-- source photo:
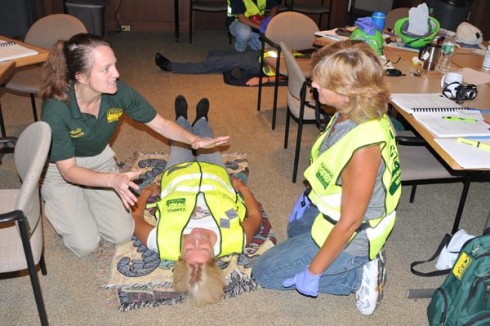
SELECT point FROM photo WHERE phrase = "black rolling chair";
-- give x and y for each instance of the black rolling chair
(205, 6)
(319, 8)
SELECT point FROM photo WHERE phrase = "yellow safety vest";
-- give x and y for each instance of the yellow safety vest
(180, 187)
(326, 168)
(251, 8)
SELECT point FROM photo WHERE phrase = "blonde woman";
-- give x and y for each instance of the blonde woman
(202, 213)
(336, 244)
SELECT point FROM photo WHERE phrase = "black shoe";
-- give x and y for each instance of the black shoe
(202, 109)
(162, 62)
(180, 107)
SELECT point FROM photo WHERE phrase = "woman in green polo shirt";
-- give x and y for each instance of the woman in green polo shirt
(83, 100)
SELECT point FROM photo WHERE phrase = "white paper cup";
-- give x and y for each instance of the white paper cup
(451, 77)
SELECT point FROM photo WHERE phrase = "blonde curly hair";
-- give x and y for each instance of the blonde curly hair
(204, 283)
(352, 68)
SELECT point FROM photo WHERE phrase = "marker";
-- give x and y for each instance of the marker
(474, 143)
(460, 119)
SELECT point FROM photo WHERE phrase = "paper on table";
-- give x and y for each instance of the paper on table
(466, 156)
(331, 34)
(472, 76)
(10, 50)
(441, 127)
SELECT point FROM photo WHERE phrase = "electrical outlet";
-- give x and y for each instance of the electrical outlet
(125, 28)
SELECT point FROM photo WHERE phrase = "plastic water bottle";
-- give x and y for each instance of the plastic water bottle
(446, 54)
(486, 60)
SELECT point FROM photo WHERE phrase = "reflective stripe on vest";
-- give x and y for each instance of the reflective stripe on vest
(326, 168)
(180, 187)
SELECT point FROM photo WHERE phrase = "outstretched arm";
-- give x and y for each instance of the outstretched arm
(173, 131)
(142, 228)
(253, 219)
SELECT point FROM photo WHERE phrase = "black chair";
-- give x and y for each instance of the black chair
(303, 104)
(212, 6)
(296, 30)
(319, 8)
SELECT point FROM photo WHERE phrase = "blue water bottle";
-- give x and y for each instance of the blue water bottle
(379, 20)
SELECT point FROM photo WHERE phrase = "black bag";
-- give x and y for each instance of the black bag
(464, 296)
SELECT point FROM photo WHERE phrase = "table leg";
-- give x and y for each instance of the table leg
(177, 20)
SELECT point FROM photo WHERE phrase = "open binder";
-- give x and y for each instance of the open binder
(441, 116)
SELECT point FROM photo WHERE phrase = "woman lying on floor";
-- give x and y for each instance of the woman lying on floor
(202, 213)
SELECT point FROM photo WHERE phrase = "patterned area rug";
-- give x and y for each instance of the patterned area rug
(115, 262)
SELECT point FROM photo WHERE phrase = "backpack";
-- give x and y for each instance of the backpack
(464, 296)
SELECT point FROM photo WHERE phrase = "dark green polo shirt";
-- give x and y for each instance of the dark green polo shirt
(76, 134)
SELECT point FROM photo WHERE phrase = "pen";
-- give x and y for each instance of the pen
(459, 119)
(474, 143)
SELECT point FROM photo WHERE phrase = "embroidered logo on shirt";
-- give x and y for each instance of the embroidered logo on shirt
(77, 133)
(113, 114)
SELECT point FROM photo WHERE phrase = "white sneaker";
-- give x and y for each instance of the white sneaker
(370, 293)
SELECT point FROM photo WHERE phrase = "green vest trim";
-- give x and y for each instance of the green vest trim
(180, 187)
(326, 169)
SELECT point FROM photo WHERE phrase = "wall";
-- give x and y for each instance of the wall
(158, 15)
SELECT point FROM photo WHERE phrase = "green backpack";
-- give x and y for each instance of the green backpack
(464, 296)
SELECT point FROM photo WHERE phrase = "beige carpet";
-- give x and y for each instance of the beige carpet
(70, 288)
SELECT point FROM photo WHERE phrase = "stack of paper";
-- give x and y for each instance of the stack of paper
(468, 157)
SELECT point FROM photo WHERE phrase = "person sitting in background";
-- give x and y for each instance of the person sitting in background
(248, 17)
(202, 213)
(86, 197)
(336, 245)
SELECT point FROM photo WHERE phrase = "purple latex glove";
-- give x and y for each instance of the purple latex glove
(366, 24)
(305, 282)
(264, 24)
(302, 203)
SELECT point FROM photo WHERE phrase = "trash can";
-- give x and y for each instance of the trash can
(90, 12)
(450, 13)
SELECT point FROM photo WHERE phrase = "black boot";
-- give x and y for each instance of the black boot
(202, 109)
(162, 62)
(180, 107)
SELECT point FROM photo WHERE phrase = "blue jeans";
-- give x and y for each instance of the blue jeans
(292, 256)
(244, 36)
(180, 152)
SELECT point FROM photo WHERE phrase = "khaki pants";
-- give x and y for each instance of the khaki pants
(81, 215)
